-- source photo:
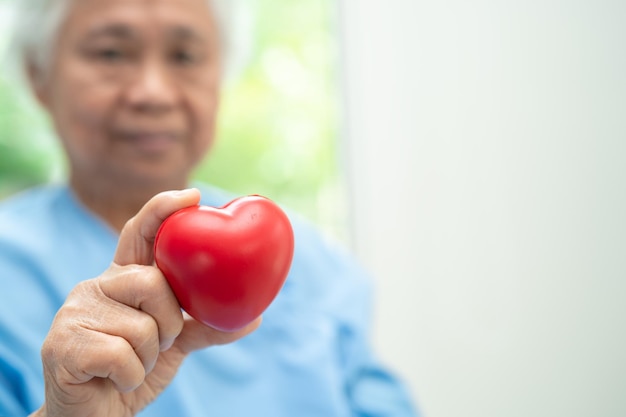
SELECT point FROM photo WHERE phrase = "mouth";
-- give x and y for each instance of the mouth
(149, 142)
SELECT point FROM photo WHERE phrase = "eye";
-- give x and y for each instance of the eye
(110, 55)
(185, 57)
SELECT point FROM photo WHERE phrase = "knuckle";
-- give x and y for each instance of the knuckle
(62, 348)
(147, 279)
(145, 341)
(49, 351)
(145, 328)
(177, 325)
(82, 290)
(144, 338)
(120, 352)
(131, 284)
(144, 279)
(130, 223)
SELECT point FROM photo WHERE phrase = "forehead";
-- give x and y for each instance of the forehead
(140, 16)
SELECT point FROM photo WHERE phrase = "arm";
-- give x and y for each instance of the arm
(373, 390)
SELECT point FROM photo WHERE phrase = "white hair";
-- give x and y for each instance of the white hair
(37, 24)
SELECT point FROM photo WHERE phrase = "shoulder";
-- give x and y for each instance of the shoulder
(26, 230)
(41, 224)
(28, 210)
(46, 247)
(29, 200)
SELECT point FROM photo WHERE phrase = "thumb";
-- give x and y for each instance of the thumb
(136, 241)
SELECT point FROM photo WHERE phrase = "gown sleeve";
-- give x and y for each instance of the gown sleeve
(372, 389)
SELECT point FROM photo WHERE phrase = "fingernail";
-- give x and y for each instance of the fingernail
(166, 345)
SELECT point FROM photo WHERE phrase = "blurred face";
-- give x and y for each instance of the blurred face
(133, 89)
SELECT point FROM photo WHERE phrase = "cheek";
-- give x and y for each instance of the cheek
(204, 110)
(81, 109)
(80, 118)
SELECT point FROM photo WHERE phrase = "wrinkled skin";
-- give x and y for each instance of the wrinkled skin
(133, 92)
(119, 338)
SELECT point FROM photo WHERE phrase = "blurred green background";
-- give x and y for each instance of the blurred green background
(278, 125)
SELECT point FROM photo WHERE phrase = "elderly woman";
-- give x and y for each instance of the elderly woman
(88, 324)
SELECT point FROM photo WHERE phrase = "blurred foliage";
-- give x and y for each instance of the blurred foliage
(277, 127)
(21, 165)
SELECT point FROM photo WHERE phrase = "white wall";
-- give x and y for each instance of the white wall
(486, 153)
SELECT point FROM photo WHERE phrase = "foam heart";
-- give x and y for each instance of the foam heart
(226, 265)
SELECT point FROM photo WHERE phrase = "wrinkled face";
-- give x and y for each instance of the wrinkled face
(133, 88)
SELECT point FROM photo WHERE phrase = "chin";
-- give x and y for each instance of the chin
(154, 179)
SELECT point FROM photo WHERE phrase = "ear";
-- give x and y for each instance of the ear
(37, 80)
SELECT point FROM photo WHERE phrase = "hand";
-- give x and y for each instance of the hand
(120, 338)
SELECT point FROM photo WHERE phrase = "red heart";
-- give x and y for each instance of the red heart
(226, 265)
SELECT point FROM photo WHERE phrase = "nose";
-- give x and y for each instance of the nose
(152, 89)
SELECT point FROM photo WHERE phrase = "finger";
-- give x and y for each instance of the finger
(89, 309)
(123, 367)
(137, 236)
(91, 355)
(196, 335)
(145, 288)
